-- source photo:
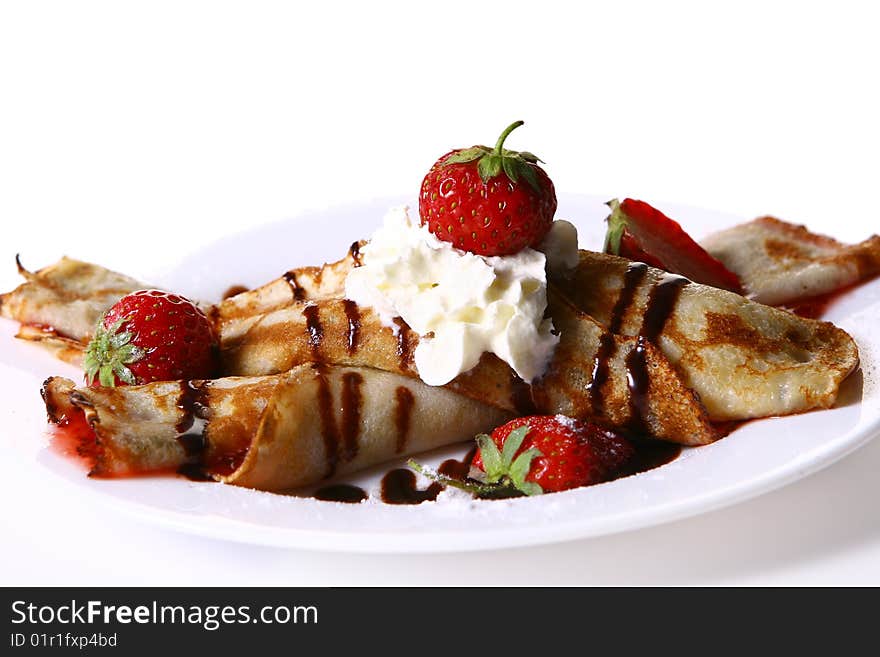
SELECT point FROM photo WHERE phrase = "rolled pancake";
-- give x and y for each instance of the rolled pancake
(743, 359)
(69, 297)
(235, 315)
(274, 432)
(778, 262)
(66, 349)
(339, 331)
(62, 303)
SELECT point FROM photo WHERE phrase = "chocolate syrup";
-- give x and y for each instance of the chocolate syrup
(355, 252)
(192, 403)
(341, 493)
(402, 415)
(455, 469)
(194, 472)
(353, 314)
(193, 443)
(638, 381)
(632, 279)
(649, 454)
(522, 397)
(601, 371)
(399, 487)
(232, 290)
(404, 346)
(329, 430)
(315, 329)
(661, 304)
(352, 401)
(298, 293)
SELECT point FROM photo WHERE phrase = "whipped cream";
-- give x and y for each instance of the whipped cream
(462, 304)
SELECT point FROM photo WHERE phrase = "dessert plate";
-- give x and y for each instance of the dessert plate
(758, 456)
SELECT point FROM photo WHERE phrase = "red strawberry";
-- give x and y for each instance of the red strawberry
(488, 201)
(640, 232)
(150, 335)
(544, 454)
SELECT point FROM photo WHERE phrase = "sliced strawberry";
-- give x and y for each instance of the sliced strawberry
(640, 232)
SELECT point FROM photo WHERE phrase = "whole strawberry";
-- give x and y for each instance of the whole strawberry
(490, 202)
(147, 336)
(544, 454)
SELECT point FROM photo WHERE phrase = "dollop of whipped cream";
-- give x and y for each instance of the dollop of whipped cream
(462, 304)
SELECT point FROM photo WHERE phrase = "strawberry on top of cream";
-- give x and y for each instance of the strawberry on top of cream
(461, 304)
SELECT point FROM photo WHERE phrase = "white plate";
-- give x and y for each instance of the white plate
(756, 458)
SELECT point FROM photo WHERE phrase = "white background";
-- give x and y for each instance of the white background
(130, 133)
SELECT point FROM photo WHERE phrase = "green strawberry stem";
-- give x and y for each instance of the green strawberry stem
(485, 491)
(492, 163)
(498, 144)
(433, 475)
(504, 472)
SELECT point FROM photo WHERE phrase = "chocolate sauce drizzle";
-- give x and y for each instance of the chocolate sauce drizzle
(193, 404)
(194, 472)
(355, 252)
(658, 309)
(353, 313)
(661, 304)
(455, 469)
(403, 415)
(649, 454)
(638, 381)
(329, 430)
(345, 493)
(522, 398)
(315, 329)
(298, 293)
(352, 401)
(399, 487)
(632, 279)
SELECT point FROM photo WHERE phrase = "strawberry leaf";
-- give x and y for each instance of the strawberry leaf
(489, 166)
(616, 225)
(493, 462)
(512, 444)
(466, 155)
(519, 470)
(510, 169)
(531, 177)
(530, 488)
(108, 354)
(491, 163)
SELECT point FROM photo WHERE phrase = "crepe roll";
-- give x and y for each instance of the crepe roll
(67, 297)
(742, 358)
(779, 262)
(273, 432)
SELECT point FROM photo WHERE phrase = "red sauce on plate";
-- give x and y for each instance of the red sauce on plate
(74, 437)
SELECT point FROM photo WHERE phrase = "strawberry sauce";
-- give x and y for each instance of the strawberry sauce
(74, 437)
(815, 307)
